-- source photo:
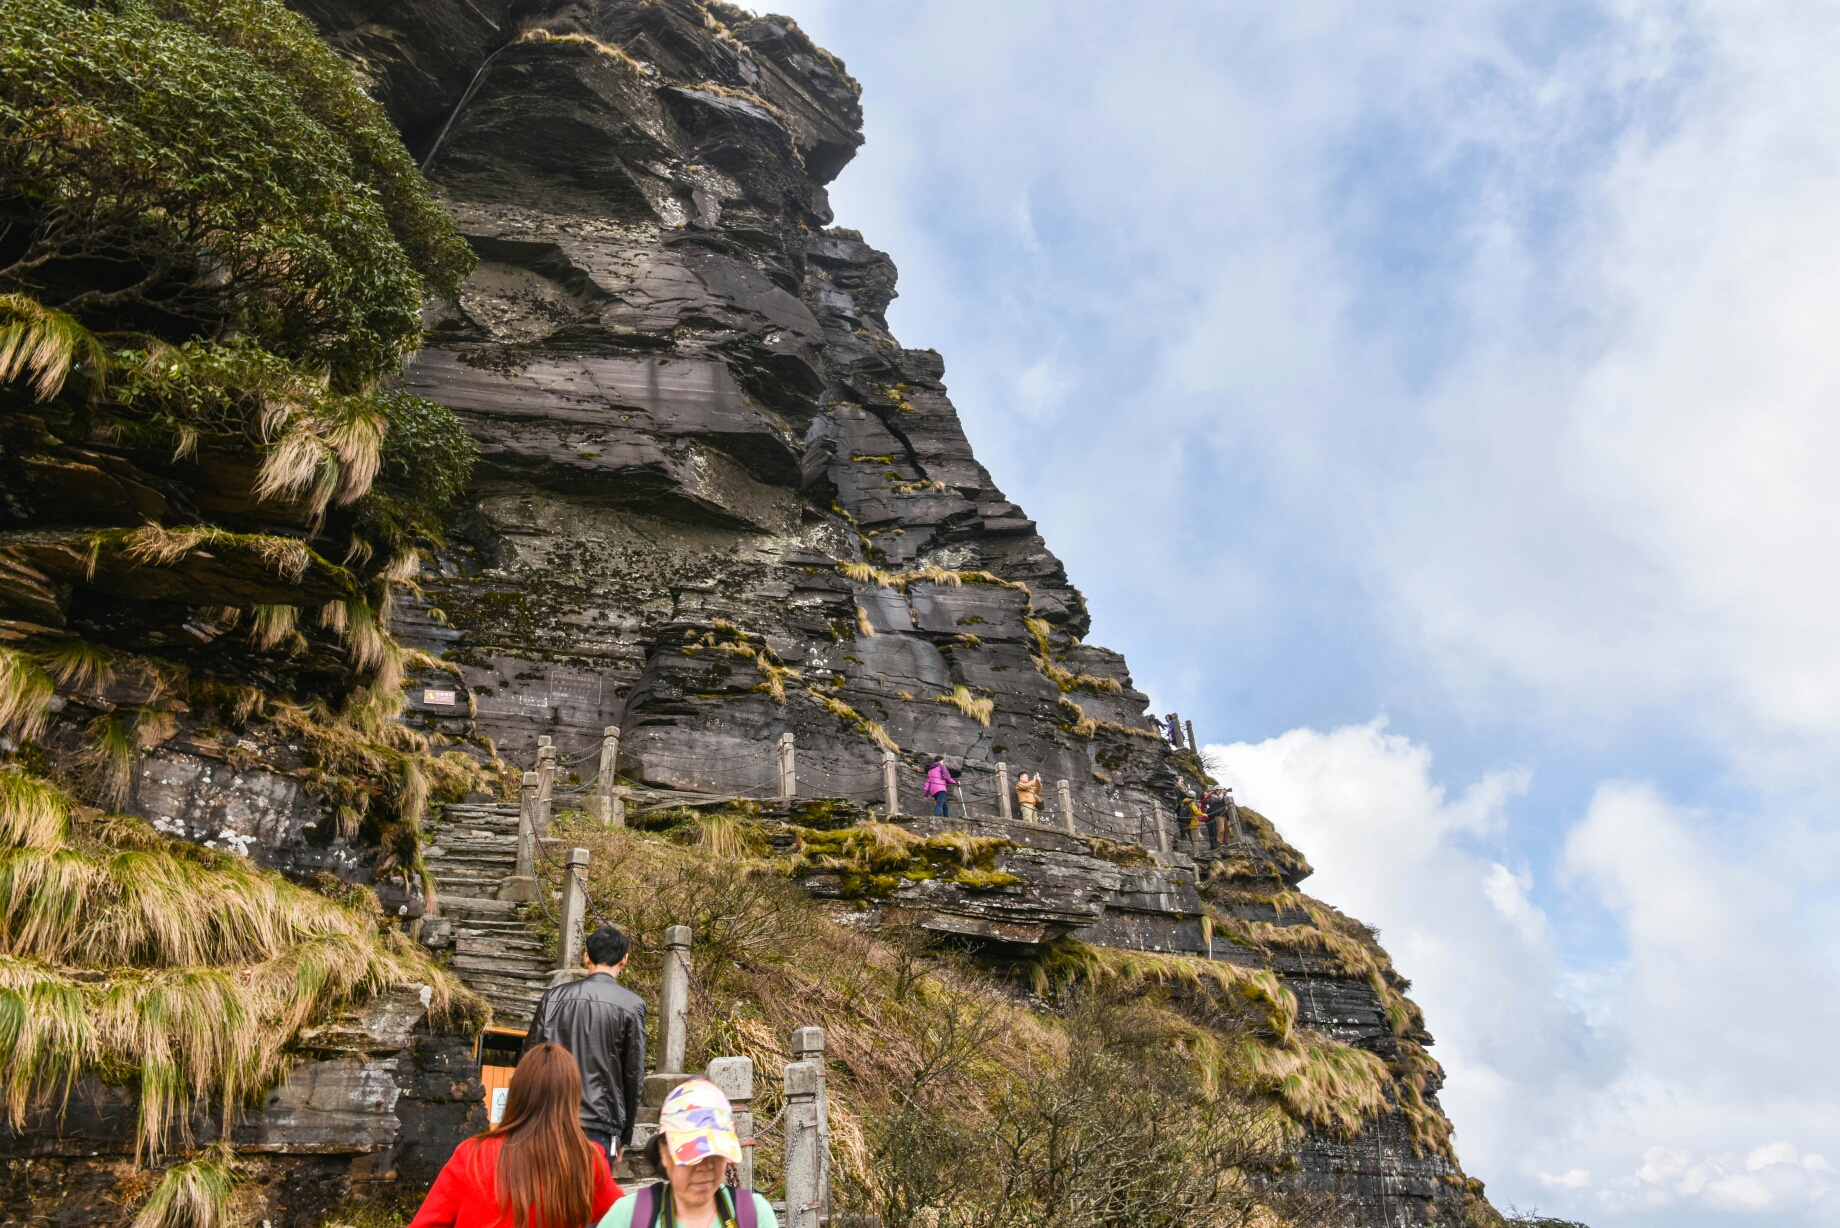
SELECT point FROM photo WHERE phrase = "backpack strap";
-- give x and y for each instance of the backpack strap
(746, 1215)
(646, 1206)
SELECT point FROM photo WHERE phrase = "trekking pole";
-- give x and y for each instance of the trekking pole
(963, 805)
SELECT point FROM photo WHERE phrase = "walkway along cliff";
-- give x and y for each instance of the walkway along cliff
(718, 508)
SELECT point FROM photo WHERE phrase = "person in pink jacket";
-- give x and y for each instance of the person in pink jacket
(938, 780)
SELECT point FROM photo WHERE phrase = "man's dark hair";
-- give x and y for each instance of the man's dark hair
(607, 946)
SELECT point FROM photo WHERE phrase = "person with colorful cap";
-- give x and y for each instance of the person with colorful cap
(693, 1148)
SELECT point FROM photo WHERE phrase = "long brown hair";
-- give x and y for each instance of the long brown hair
(546, 1165)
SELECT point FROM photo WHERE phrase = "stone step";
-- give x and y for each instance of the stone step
(472, 890)
(525, 1004)
(482, 892)
(473, 846)
(520, 967)
(508, 962)
(478, 835)
(483, 907)
(485, 974)
(528, 991)
(465, 861)
(492, 944)
(465, 877)
(523, 995)
(532, 987)
(524, 975)
(450, 860)
(515, 940)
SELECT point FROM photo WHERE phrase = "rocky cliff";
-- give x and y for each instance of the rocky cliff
(718, 502)
(715, 502)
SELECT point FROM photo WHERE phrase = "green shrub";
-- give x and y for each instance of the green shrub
(192, 168)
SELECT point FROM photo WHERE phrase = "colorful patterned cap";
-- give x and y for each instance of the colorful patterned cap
(697, 1124)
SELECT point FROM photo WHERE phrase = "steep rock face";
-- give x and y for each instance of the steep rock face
(692, 414)
(718, 502)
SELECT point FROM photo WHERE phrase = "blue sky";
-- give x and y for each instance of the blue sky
(1436, 402)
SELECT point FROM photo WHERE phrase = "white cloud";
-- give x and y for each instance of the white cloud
(1571, 1179)
(1770, 1180)
(1653, 1065)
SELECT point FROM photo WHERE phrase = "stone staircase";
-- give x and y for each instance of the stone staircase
(497, 949)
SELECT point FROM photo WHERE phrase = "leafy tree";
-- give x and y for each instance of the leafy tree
(209, 169)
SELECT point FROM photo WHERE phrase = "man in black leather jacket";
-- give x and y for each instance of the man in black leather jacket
(601, 1023)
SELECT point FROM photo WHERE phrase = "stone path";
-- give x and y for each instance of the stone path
(497, 949)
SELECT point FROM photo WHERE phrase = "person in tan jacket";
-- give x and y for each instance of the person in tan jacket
(1028, 795)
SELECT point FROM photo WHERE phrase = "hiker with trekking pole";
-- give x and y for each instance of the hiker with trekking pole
(939, 780)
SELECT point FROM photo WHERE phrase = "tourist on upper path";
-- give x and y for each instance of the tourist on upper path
(602, 1023)
(535, 1168)
(1191, 817)
(1028, 795)
(693, 1148)
(938, 779)
(1214, 803)
(1174, 731)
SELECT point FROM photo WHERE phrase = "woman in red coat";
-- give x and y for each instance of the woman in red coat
(534, 1169)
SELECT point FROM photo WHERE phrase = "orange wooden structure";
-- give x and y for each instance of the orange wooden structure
(496, 1051)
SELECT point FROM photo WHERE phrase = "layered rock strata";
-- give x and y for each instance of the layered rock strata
(719, 502)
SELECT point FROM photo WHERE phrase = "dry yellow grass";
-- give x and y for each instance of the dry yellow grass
(871, 729)
(44, 345)
(25, 694)
(197, 969)
(978, 709)
(769, 959)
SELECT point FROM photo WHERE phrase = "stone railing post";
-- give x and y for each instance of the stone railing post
(808, 1046)
(1003, 810)
(574, 910)
(1162, 831)
(788, 769)
(735, 1076)
(1193, 748)
(804, 1155)
(608, 807)
(674, 1000)
(888, 784)
(521, 887)
(1066, 794)
(546, 786)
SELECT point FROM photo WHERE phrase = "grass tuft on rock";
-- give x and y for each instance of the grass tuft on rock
(194, 1194)
(25, 694)
(182, 971)
(873, 860)
(978, 709)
